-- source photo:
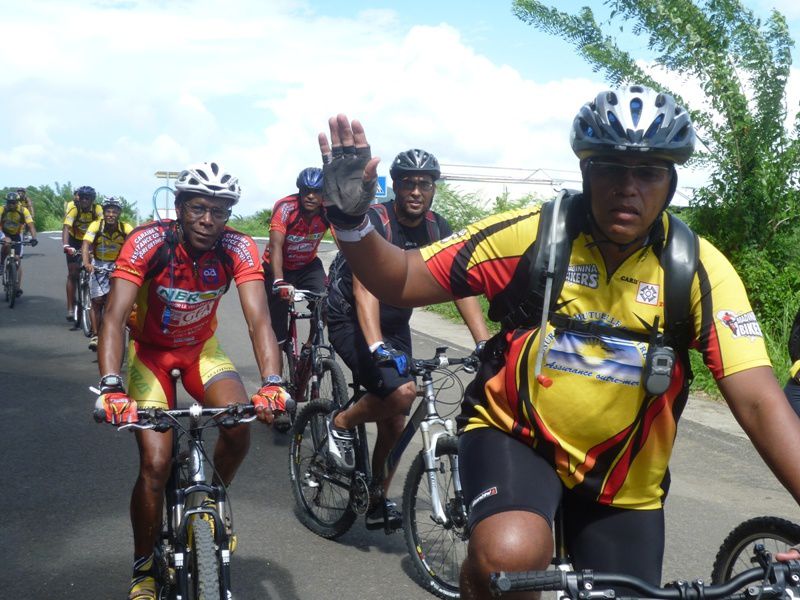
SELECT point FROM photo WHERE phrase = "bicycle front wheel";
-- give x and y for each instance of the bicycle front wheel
(86, 306)
(331, 383)
(11, 289)
(203, 565)
(321, 492)
(736, 552)
(436, 549)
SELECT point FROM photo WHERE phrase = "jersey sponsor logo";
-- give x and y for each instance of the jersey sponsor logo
(238, 245)
(741, 325)
(305, 247)
(584, 275)
(181, 318)
(188, 296)
(492, 491)
(145, 241)
(209, 275)
(648, 293)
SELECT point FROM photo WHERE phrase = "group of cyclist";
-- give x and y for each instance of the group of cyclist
(561, 413)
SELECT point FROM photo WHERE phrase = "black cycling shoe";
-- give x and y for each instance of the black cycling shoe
(384, 515)
(282, 422)
(19, 293)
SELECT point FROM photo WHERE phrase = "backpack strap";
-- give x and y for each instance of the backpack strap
(679, 260)
(383, 213)
(433, 227)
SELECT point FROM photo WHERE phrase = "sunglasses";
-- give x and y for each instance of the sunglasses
(197, 211)
(611, 171)
(410, 184)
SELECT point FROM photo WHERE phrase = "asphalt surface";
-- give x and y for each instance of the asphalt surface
(65, 530)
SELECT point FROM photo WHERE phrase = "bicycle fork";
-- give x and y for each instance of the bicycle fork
(429, 442)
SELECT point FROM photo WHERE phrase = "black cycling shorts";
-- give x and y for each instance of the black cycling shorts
(792, 391)
(499, 473)
(350, 345)
(77, 257)
(311, 277)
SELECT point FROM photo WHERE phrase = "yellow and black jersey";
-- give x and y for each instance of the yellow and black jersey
(105, 245)
(78, 220)
(12, 221)
(605, 436)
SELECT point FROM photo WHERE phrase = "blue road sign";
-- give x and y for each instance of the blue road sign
(381, 191)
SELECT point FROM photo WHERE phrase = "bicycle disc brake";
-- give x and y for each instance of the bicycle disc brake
(359, 494)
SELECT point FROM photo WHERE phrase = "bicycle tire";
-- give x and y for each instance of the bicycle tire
(331, 385)
(86, 306)
(11, 293)
(203, 563)
(736, 551)
(5, 278)
(436, 550)
(321, 492)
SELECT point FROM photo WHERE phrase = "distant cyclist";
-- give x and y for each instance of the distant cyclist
(176, 272)
(13, 219)
(101, 245)
(26, 201)
(290, 259)
(76, 222)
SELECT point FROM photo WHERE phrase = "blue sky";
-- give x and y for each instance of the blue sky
(107, 92)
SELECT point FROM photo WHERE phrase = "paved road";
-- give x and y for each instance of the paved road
(65, 531)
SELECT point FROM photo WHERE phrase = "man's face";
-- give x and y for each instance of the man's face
(628, 193)
(414, 195)
(12, 204)
(310, 200)
(111, 215)
(84, 202)
(203, 220)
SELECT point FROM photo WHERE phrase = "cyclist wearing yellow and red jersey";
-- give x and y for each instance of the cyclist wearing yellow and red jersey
(76, 221)
(13, 218)
(102, 243)
(176, 272)
(290, 258)
(596, 441)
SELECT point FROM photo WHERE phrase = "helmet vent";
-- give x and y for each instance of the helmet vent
(654, 126)
(615, 124)
(636, 110)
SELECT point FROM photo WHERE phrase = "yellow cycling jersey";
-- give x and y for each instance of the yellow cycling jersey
(78, 221)
(604, 435)
(14, 220)
(105, 245)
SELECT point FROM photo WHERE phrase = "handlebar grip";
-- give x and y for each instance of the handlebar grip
(528, 580)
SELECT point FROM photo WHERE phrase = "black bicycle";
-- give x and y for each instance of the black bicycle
(434, 513)
(193, 552)
(310, 369)
(769, 580)
(11, 272)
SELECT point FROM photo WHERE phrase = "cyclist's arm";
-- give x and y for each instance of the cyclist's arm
(256, 313)
(471, 313)
(368, 310)
(758, 403)
(276, 239)
(112, 331)
(86, 253)
(65, 235)
(32, 229)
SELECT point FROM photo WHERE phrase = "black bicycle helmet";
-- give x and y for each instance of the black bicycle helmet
(112, 202)
(310, 179)
(633, 120)
(86, 191)
(415, 162)
(12, 197)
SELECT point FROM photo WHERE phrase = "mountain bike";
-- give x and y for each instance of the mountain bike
(83, 303)
(11, 272)
(193, 552)
(310, 370)
(736, 554)
(769, 580)
(434, 513)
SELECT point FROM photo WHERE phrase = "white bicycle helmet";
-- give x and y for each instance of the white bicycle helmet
(633, 120)
(209, 179)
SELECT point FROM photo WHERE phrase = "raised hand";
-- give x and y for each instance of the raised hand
(351, 174)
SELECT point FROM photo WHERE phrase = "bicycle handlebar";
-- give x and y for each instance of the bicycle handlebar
(420, 366)
(777, 579)
(307, 295)
(162, 420)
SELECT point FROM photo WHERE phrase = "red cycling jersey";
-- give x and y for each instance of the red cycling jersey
(302, 236)
(177, 304)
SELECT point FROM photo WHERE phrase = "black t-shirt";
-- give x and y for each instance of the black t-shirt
(392, 317)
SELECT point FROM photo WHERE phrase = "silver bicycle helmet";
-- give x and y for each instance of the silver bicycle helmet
(112, 202)
(209, 179)
(633, 120)
(415, 162)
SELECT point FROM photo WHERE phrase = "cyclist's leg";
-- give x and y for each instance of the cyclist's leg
(615, 540)
(278, 309)
(99, 287)
(513, 494)
(19, 249)
(73, 268)
(212, 379)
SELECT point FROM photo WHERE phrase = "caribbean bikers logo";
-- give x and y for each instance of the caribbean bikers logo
(648, 293)
(585, 275)
(741, 325)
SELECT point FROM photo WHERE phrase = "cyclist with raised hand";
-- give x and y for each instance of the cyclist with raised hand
(589, 432)
(176, 272)
(290, 259)
(76, 221)
(102, 243)
(14, 217)
(374, 338)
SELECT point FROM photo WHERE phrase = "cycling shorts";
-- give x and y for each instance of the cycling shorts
(499, 474)
(100, 281)
(77, 257)
(149, 371)
(15, 238)
(349, 343)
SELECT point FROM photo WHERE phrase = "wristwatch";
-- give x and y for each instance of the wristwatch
(272, 380)
(112, 381)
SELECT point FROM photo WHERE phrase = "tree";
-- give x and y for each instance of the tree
(751, 204)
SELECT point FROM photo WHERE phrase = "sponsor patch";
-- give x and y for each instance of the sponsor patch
(585, 275)
(647, 293)
(209, 275)
(741, 325)
(180, 296)
(492, 491)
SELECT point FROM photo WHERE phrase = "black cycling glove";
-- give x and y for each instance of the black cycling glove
(386, 356)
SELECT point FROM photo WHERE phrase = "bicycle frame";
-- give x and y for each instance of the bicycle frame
(315, 342)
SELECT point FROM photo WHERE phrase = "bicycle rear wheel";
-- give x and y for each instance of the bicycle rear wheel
(86, 305)
(436, 549)
(321, 492)
(331, 383)
(11, 289)
(736, 552)
(203, 565)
